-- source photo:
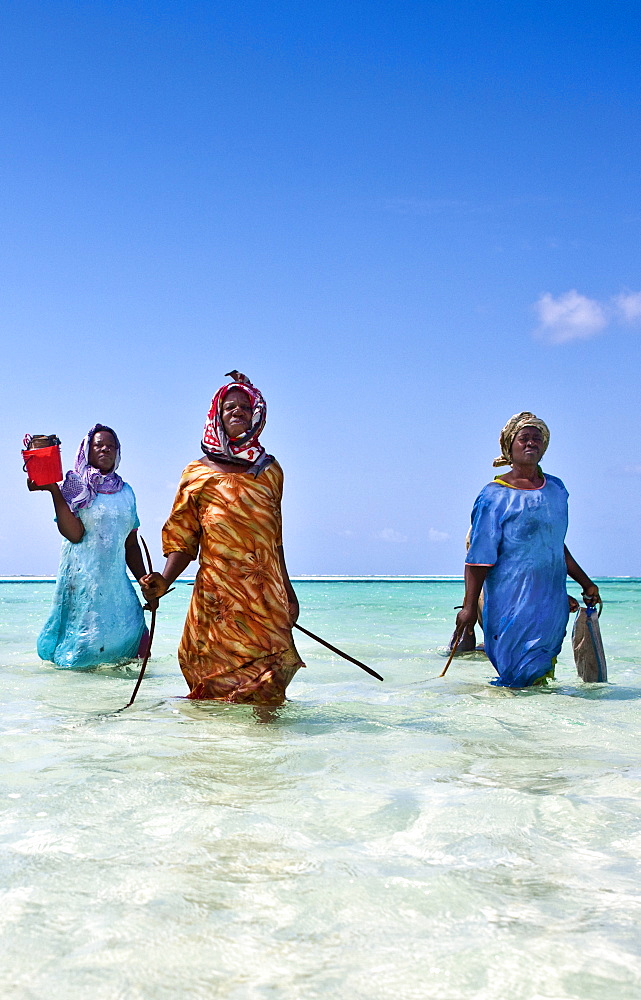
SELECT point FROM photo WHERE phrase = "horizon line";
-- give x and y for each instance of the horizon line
(327, 578)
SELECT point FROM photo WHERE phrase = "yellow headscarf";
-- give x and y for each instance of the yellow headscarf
(512, 428)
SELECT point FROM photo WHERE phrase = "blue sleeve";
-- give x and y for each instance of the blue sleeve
(558, 482)
(486, 530)
(134, 511)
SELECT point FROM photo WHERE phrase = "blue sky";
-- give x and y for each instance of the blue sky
(404, 222)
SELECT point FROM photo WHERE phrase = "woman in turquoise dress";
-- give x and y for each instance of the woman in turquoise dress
(96, 616)
(518, 556)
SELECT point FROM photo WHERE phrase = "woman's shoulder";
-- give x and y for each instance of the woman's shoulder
(555, 482)
(271, 479)
(493, 492)
(275, 470)
(494, 499)
(128, 490)
(195, 472)
(193, 478)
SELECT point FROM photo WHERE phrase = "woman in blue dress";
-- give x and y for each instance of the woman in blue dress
(518, 556)
(96, 616)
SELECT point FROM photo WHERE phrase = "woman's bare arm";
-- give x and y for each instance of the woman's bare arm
(133, 558)
(590, 589)
(133, 555)
(155, 585)
(474, 580)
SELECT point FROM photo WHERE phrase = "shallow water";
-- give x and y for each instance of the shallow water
(414, 839)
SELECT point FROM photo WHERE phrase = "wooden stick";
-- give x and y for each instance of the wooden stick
(152, 629)
(454, 648)
(340, 652)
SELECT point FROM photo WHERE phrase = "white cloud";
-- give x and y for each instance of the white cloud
(437, 536)
(390, 535)
(628, 305)
(571, 316)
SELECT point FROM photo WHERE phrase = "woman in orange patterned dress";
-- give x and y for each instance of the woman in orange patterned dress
(237, 644)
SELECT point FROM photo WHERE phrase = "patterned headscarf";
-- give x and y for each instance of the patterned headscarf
(217, 444)
(81, 486)
(512, 428)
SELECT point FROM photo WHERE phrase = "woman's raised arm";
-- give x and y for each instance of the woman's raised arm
(69, 526)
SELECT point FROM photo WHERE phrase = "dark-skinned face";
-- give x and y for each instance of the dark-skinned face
(236, 413)
(528, 447)
(102, 451)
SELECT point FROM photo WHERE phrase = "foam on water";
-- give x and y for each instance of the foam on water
(420, 838)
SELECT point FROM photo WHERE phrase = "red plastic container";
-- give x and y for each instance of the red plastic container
(43, 465)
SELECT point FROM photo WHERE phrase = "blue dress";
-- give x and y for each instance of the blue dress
(519, 534)
(96, 616)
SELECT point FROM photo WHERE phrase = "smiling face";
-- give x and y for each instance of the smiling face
(236, 413)
(528, 446)
(102, 451)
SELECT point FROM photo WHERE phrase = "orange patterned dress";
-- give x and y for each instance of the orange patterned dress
(237, 643)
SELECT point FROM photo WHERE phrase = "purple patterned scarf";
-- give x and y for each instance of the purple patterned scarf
(81, 486)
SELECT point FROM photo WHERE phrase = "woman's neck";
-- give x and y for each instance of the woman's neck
(528, 476)
(227, 465)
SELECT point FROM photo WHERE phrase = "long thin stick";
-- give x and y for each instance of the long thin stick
(454, 648)
(152, 629)
(340, 652)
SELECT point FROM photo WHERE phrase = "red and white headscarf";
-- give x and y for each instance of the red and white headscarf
(216, 442)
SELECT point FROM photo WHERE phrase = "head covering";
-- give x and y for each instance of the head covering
(512, 428)
(217, 444)
(81, 486)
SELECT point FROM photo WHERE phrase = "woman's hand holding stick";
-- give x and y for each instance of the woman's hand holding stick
(152, 606)
(459, 636)
(156, 585)
(152, 628)
(468, 615)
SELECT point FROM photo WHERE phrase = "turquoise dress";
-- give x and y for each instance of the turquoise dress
(96, 616)
(520, 536)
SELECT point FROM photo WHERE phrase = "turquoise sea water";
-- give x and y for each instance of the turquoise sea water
(421, 838)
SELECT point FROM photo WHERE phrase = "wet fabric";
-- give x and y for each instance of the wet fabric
(587, 645)
(519, 535)
(512, 428)
(237, 642)
(216, 442)
(82, 485)
(96, 616)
